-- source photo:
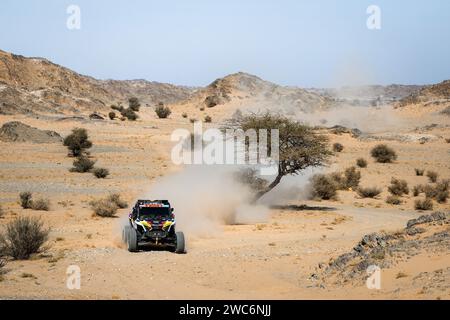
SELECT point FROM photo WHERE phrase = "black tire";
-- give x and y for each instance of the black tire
(132, 240)
(180, 245)
(125, 232)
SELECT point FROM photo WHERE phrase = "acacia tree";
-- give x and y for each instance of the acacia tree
(300, 146)
(77, 142)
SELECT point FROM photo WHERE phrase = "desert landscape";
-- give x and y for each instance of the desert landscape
(303, 240)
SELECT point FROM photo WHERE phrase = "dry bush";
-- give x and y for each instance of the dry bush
(23, 237)
(419, 172)
(115, 198)
(432, 176)
(383, 154)
(202, 109)
(162, 111)
(249, 177)
(394, 200)
(323, 187)
(361, 162)
(418, 190)
(208, 119)
(425, 204)
(100, 173)
(77, 142)
(368, 192)
(104, 208)
(25, 199)
(192, 120)
(349, 179)
(41, 204)
(338, 147)
(129, 114)
(119, 107)
(82, 164)
(184, 115)
(112, 115)
(398, 187)
(133, 104)
(447, 140)
(2, 212)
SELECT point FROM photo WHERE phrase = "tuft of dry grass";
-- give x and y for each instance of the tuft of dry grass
(432, 176)
(368, 192)
(423, 205)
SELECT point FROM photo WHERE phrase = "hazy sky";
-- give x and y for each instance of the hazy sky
(304, 43)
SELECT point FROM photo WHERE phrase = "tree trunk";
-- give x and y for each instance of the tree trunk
(269, 187)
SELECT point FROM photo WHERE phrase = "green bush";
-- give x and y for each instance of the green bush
(432, 176)
(337, 147)
(323, 187)
(162, 112)
(77, 142)
(361, 162)
(100, 172)
(398, 187)
(25, 200)
(82, 164)
(425, 204)
(24, 236)
(370, 192)
(383, 154)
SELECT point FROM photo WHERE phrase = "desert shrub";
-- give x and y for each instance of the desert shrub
(425, 204)
(442, 190)
(361, 162)
(419, 172)
(430, 191)
(383, 154)
(77, 142)
(82, 164)
(119, 108)
(133, 104)
(351, 177)
(369, 192)
(112, 115)
(100, 172)
(25, 199)
(208, 119)
(129, 114)
(2, 213)
(394, 200)
(202, 108)
(192, 120)
(115, 198)
(398, 187)
(104, 208)
(40, 204)
(417, 190)
(323, 187)
(162, 111)
(432, 176)
(249, 177)
(446, 111)
(447, 140)
(23, 237)
(184, 115)
(337, 147)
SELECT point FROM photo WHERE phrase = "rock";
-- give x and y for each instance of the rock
(96, 116)
(16, 131)
(436, 216)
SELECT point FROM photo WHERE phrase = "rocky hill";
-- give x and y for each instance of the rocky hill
(255, 94)
(433, 94)
(36, 85)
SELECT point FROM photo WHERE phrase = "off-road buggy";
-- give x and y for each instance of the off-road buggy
(152, 223)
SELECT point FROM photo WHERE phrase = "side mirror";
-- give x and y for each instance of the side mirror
(171, 209)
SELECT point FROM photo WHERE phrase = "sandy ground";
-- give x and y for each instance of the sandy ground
(273, 259)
